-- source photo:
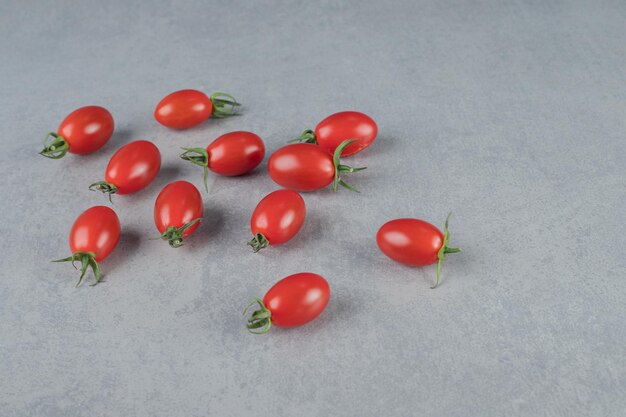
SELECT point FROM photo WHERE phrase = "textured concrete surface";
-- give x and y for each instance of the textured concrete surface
(510, 114)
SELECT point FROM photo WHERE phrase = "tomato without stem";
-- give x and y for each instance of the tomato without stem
(415, 242)
(308, 167)
(177, 211)
(276, 219)
(232, 154)
(130, 169)
(292, 301)
(187, 108)
(342, 126)
(83, 131)
(93, 237)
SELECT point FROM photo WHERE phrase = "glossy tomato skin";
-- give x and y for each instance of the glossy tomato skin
(278, 216)
(87, 129)
(183, 109)
(235, 153)
(297, 299)
(96, 230)
(346, 125)
(133, 166)
(410, 241)
(176, 205)
(302, 167)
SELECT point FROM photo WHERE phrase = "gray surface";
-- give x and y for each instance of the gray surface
(511, 115)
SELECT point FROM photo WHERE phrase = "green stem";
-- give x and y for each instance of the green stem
(200, 157)
(339, 168)
(258, 242)
(54, 146)
(105, 187)
(223, 105)
(308, 136)
(261, 320)
(87, 259)
(174, 235)
(444, 250)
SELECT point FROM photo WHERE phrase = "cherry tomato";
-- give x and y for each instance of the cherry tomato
(177, 211)
(93, 237)
(292, 301)
(338, 127)
(276, 219)
(83, 131)
(415, 242)
(187, 108)
(130, 169)
(308, 167)
(232, 154)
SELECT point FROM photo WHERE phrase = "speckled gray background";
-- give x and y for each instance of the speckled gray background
(510, 114)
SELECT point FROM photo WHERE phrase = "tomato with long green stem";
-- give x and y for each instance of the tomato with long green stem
(338, 127)
(187, 108)
(415, 242)
(308, 167)
(276, 219)
(232, 154)
(177, 212)
(83, 131)
(130, 169)
(94, 235)
(291, 302)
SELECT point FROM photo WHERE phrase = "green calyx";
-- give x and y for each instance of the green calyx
(200, 157)
(261, 320)
(308, 136)
(105, 187)
(339, 168)
(54, 146)
(174, 235)
(224, 105)
(444, 250)
(258, 242)
(87, 259)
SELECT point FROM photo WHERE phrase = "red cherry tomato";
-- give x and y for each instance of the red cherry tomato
(232, 154)
(93, 237)
(187, 108)
(130, 169)
(276, 219)
(177, 211)
(415, 242)
(308, 167)
(292, 301)
(338, 127)
(83, 131)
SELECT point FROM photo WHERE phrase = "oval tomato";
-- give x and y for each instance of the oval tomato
(130, 169)
(276, 219)
(177, 211)
(342, 126)
(415, 242)
(232, 154)
(308, 167)
(187, 108)
(83, 131)
(93, 237)
(292, 301)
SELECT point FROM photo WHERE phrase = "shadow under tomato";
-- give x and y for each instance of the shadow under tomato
(210, 227)
(130, 241)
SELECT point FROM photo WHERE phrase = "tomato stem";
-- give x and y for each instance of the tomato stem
(174, 235)
(258, 242)
(308, 136)
(54, 146)
(339, 168)
(200, 157)
(87, 259)
(105, 187)
(261, 319)
(223, 105)
(444, 250)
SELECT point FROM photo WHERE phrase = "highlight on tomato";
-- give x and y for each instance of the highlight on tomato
(338, 127)
(276, 219)
(132, 168)
(308, 167)
(187, 108)
(94, 235)
(232, 154)
(415, 242)
(291, 302)
(177, 212)
(83, 131)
